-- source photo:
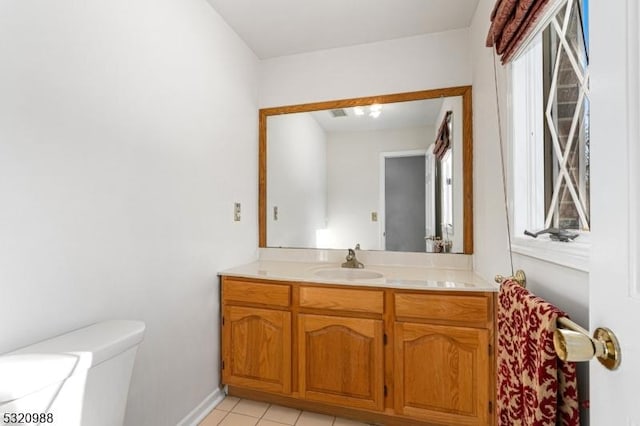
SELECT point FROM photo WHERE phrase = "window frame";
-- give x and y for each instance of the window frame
(528, 178)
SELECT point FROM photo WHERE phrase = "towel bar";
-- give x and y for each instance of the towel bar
(572, 343)
(519, 277)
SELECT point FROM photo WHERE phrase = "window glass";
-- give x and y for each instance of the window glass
(551, 147)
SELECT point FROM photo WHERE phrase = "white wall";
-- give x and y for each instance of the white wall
(490, 227)
(353, 176)
(402, 65)
(127, 131)
(565, 287)
(296, 180)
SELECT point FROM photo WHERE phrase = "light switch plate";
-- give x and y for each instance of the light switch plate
(236, 212)
(374, 216)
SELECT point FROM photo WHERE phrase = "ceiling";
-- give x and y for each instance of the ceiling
(274, 28)
(399, 115)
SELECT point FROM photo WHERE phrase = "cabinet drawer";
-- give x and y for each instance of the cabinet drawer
(470, 309)
(250, 292)
(338, 299)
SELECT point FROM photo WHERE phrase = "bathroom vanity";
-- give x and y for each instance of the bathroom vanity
(400, 345)
(393, 345)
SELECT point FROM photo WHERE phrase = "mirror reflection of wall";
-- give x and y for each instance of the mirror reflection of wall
(297, 181)
(355, 188)
(327, 186)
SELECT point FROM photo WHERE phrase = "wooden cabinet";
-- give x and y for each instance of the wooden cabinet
(469, 310)
(382, 355)
(256, 341)
(442, 363)
(242, 292)
(341, 360)
(257, 349)
(354, 301)
(442, 373)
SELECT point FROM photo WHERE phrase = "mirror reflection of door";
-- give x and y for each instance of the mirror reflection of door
(445, 182)
(405, 203)
(430, 198)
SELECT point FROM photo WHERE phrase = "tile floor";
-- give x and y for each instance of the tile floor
(234, 411)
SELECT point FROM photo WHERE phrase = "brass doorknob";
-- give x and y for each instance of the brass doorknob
(574, 344)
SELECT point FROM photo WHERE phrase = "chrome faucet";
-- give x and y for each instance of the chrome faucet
(352, 261)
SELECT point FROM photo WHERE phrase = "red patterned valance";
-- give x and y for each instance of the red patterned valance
(443, 142)
(511, 22)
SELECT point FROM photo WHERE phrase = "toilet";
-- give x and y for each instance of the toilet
(77, 379)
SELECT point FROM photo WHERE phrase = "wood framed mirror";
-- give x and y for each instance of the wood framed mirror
(299, 180)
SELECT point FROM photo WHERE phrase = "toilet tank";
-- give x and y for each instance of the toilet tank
(77, 379)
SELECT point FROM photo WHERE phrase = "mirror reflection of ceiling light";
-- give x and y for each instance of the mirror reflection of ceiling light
(375, 110)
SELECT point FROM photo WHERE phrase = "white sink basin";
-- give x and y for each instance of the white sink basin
(347, 274)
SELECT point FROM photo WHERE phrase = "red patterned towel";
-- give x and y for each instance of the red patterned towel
(534, 386)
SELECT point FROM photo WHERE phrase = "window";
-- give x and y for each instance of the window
(566, 85)
(550, 121)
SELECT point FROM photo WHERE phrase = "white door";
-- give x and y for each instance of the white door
(615, 184)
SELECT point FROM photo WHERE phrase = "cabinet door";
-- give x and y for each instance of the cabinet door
(257, 348)
(341, 360)
(442, 373)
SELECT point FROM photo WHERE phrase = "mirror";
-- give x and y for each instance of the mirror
(369, 171)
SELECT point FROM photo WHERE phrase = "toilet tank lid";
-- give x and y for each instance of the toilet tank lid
(93, 344)
(51, 361)
(36, 366)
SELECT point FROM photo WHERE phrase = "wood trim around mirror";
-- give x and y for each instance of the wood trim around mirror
(467, 142)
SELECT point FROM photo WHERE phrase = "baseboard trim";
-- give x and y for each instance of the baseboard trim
(200, 412)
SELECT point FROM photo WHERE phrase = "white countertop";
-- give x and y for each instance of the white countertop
(393, 276)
